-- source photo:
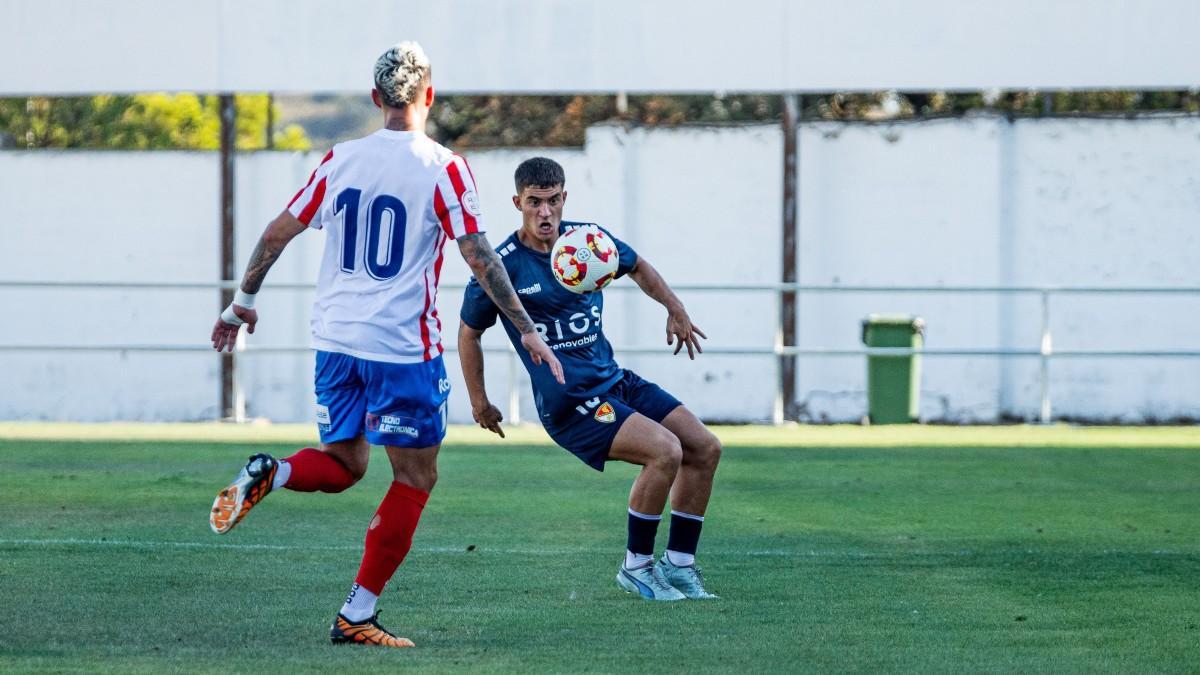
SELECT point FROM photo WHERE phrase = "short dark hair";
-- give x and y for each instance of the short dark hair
(541, 172)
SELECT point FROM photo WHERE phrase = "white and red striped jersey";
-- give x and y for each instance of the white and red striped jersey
(387, 203)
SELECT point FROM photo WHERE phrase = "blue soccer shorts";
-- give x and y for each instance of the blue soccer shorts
(398, 404)
(588, 430)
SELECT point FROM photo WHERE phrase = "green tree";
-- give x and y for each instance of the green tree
(140, 122)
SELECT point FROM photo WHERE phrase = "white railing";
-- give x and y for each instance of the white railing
(1044, 352)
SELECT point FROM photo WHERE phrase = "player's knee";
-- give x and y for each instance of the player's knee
(670, 452)
(420, 477)
(430, 479)
(704, 454)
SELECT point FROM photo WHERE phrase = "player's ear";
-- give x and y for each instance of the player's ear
(375, 98)
(429, 95)
(517, 201)
(564, 197)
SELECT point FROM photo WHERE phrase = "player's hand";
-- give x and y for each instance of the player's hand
(488, 416)
(541, 353)
(682, 332)
(224, 335)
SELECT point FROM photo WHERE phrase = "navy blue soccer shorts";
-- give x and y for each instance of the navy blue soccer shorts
(588, 430)
(398, 404)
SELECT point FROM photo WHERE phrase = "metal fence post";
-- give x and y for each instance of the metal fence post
(786, 394)
(228, 115)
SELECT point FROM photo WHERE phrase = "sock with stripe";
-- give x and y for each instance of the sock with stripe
(389, 536)
(684, 538)
(643, 528)
(311, 470)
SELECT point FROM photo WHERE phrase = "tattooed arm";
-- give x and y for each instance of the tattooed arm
(489, 271)
(279, 233)
(270, 245)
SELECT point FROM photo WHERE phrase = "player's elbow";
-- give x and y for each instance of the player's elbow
(275, 239)
(281, 231)
(479, 257)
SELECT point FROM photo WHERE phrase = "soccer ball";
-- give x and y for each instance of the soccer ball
(584, 259)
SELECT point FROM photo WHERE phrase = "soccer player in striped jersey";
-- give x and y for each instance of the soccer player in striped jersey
(604, 412)
(387, 202)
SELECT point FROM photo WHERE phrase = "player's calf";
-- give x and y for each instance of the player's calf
(312, 470)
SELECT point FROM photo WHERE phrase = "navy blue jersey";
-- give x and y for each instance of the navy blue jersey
(569, 323)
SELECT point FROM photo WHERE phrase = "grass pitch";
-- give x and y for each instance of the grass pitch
(834, 549)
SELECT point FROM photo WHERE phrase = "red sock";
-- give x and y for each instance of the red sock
(389, 536)
(315, 471)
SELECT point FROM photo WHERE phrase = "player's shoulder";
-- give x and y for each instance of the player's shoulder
(353, 145)
(438, 154)
(507, 247)
(345, 152)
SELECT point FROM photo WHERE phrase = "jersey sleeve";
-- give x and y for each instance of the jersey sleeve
(455, 201)
(478, 310)
(307, 202)
(626, 256)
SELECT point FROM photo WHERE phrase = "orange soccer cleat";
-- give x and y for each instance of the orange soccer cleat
(252, 483)
(369, 632)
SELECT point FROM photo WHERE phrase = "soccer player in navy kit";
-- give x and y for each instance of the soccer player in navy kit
(603, 412)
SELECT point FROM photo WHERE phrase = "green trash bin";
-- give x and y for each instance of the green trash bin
(893, 382)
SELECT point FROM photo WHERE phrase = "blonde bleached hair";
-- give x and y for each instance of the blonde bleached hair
(400, 72)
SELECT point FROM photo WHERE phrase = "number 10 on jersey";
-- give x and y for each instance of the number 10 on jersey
(380, 267)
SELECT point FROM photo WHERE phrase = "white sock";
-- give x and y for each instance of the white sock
(360, 604)
(681, 559)
(633, 560)
(282, 474)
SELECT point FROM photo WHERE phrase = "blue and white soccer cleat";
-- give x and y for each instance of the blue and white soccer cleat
(687, 580)
(647, 581)
(252, 483)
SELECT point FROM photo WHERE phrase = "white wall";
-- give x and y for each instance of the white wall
(978, 202)
(985, 202)
(84, 46)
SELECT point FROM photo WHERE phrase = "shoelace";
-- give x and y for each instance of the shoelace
(660, 581)
(698, 573)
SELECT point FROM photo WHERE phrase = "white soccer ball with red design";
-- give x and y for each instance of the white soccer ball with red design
(584, 259)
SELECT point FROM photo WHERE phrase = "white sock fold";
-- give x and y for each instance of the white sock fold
(681, 559)
(282, 474)
(633, 560)
(360, 604)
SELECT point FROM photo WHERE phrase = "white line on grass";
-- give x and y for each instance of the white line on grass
(126, 543)
(770, 553)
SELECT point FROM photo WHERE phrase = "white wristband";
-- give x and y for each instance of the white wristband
(230, 318)
(243, 299)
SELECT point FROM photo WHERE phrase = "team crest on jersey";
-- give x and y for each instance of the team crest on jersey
(470, 202)
(605, 413)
